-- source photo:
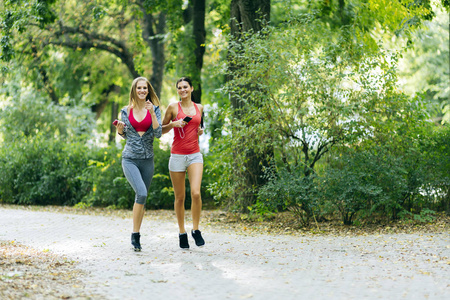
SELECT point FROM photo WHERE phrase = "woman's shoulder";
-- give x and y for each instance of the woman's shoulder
(200, 107)
(172, 106)
(126, 110)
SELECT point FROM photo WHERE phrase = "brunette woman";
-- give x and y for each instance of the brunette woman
(184, 117)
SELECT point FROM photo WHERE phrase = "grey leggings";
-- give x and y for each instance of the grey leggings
(139, 173)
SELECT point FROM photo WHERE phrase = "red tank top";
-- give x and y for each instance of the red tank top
(144, 125)
(185, 140)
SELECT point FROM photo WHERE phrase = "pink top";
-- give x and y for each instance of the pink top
(144, 125)
(185, 140)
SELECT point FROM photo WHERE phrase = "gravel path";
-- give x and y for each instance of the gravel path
(233, 265)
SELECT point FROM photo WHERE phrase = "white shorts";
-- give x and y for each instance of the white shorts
(180, 163)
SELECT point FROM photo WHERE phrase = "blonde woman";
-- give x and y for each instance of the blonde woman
(140, 124)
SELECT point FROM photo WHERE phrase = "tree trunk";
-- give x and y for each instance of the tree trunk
(199, 33)
(195, 13)
(45, 80)
(99, 107)
(245, 16)
(343, 15)
(153, 33)
(114, 113)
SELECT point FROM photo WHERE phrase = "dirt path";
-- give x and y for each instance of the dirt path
(233, 265)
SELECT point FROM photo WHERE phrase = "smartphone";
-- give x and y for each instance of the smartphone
(187, 119)
(147, 98)
(117, 122)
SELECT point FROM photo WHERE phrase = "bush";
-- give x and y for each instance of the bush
(43, 149)
(42, 172)
(363, 181)
(104, 180)
(289, 189)
(437, 154)
(384, 180)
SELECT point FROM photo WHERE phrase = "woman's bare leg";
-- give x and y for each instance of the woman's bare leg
(138, 215)
(195, 173)
(178, 182)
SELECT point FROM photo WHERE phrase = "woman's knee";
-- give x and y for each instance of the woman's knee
(179, 200)
(195, 195)
(141, 198)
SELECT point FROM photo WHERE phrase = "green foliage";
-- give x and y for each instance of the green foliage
(161, 192)
(425, 66)
(15, 17)
(43, 148)
(425, 216)
(368, 180)
(289, 189)
(26, 113)
(402, 177)
(311, 86)
(80, 58)
(308, 93)
(436, 150)
(301, 95)
(219, 168)
(181, 45)
(40, 171)
(104, 181)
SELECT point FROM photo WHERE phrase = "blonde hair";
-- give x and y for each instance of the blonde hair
(153, 98)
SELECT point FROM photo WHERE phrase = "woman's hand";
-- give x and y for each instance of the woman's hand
(200, 131)
(179, 123)
(120, 126)
(149, 107)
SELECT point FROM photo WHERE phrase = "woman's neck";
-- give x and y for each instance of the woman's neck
(186, 101)
(138, 105)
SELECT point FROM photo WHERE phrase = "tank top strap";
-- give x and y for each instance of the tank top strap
(197, 111)
(180, 111)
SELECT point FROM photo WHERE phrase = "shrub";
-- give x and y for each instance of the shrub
(437, 155)
(362, 180)
(379, 179)
(289, 189)
(104, 181)
(42, 172)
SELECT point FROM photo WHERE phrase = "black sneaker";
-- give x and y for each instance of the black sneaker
(184, 240)
(136, 241)
(197, 235)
